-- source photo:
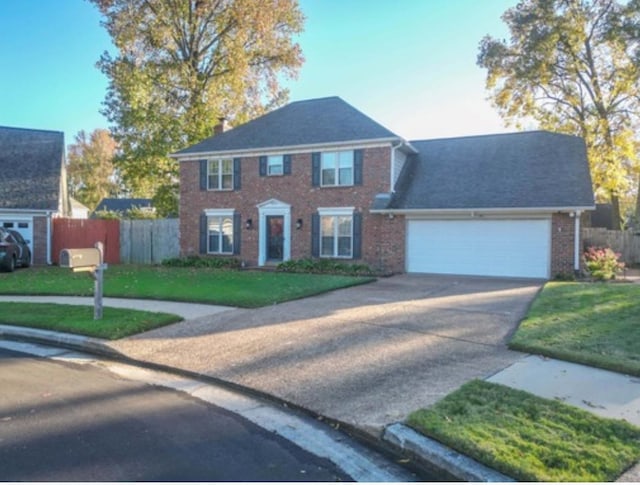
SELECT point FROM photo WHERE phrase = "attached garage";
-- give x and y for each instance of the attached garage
(483, 247)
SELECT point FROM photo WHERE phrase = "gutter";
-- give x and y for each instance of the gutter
(480, 211)
(289, 149)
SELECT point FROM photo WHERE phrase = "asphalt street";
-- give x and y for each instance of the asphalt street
(65, 422)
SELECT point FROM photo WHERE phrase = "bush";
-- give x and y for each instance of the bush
(202, 262)
(325, 266)
(602, 263)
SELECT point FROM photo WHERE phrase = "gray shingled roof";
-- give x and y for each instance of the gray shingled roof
(516, 170)
(314, 121)
(30, 165)
(122, 205)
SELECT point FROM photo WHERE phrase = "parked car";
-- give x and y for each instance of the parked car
(14, 250)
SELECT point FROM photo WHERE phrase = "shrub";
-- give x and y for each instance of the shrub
(602, 263)
(202, 262)
(325, 266)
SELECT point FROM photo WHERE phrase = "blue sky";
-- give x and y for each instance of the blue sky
(408, 64)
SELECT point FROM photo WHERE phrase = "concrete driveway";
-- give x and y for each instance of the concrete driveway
(367, 355)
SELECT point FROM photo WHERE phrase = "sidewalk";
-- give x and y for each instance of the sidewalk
(302, 353)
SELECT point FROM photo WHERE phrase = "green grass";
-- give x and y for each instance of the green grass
(529, 438)
(248, 289)
(116, 322)
(597, 324)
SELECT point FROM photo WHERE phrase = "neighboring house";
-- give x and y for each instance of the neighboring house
(33, 186)
(78, 209)
(123, 206)
(318, 178)
(602, 216)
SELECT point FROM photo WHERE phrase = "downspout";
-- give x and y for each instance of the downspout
(393, 166)
(576, 242)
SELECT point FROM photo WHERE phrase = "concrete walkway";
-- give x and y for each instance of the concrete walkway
(188, 311)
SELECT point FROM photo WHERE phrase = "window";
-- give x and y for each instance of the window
(275, 165)
(337, 168)
(220, 234)
(336, 236)
(220, 174)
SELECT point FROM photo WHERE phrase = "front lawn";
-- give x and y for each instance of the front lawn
(248, 289)
(529, 438)
(116, 322)
(597, 324)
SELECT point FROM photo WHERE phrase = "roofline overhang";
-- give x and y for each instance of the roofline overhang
(477, 211)
(28, 212)
(289, 149)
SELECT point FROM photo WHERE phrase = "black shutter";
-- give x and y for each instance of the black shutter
(357, 235)
(263, 166)
(237, 226)
(236, 174)
(203, 234)
(315, 169)
(203, 174)
(286, 164)
(315, 235)
(357, 166)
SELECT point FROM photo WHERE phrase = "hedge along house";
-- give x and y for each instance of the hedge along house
(33, 186)
(318, 178)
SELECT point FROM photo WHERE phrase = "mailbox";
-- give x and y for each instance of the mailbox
(87, 258)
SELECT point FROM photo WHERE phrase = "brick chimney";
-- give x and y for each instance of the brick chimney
(221, 126)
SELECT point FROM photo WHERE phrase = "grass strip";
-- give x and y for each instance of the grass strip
(530, 438)
(78, 319)
(247, 289)
(595, 324)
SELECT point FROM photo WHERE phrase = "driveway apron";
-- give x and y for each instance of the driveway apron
(367, 355)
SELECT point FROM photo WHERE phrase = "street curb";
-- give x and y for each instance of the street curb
(397, 439)
(434, 454)
(75, 342)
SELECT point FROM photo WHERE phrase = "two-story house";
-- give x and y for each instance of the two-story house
(318, 178)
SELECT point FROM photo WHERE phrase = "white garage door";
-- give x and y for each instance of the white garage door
(518, 248)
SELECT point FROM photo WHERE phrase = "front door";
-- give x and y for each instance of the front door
(275, 238)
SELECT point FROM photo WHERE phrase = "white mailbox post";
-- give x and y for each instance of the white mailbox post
(91, 260)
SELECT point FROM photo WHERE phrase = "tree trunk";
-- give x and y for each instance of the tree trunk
(615, 213)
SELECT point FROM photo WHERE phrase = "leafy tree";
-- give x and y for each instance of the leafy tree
(183, 64)
(92, 176)
(571, 65)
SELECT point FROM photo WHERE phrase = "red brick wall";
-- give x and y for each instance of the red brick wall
(382, 238)
(562, 244)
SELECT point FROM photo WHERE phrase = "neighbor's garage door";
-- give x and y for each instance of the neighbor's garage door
(518, 248)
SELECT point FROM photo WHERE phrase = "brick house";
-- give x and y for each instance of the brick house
(318, 178)
(33, 186)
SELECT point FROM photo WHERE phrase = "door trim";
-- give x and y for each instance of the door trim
(273, 207)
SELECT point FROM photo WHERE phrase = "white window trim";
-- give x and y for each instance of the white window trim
(281, 165)
(220, 213)
(220, 174)
(336, 169)
(336, 212)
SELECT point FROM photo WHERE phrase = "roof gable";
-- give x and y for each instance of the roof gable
(122, 205)
(310, 122)
(31, 164)
(535, 169)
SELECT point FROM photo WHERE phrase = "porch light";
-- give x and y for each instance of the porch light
(299, 224)
(248, 224)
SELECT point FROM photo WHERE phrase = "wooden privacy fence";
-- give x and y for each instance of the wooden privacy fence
(85, 233)
(627, 243)
(149, 241)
